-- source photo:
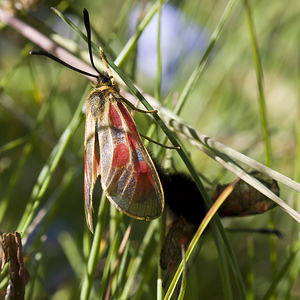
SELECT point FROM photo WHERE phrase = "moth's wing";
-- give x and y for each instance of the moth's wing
(91, 164)
(128, 175)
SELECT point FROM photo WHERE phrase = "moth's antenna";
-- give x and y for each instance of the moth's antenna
(47, 54)
(88, 32)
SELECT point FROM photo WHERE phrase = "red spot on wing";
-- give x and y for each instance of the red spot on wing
(114, 116)
(120, 156)
(144, 178)
(132, 142)
(142, 171)
(142, 167)
(129, 121)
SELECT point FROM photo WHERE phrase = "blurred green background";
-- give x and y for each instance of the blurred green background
(224, 104)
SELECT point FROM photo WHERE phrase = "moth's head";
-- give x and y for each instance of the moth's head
(104, 80)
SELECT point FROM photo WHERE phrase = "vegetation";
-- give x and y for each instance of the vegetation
(224, 69)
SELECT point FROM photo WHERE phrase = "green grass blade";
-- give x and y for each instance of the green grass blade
(93, 258)
(136, 264)
(114, 245)
(284, 269)
(12, 145)
(259, 77)
(183, 280)
(250, 273)
(263, 114)
(72, 252)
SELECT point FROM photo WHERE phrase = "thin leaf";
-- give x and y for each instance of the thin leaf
(94, 251)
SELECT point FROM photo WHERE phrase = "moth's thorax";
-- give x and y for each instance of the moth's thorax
(99, 96)
(106, 82)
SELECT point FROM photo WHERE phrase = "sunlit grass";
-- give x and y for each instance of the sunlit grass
(242, 90)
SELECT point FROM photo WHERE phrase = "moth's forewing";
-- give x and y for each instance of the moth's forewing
(91, 163)
(128, 175)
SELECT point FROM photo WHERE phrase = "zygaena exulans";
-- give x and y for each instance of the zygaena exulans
(243, 201)
(114, 149)
(188, 210)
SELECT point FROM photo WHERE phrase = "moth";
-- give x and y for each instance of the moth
(186, 213)
(243, 201)
(114, 149)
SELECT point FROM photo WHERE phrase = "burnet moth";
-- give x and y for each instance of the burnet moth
(114, 149)
(243, 201)
(187, 215)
